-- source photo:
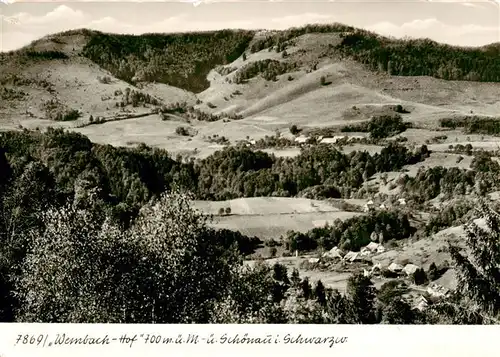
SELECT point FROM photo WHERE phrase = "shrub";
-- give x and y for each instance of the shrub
(419, 277)
(294, 130)
(399, 109)
(181, 130)
(104, 80)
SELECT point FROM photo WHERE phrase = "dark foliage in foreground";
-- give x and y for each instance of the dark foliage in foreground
(477, 297)
(64, 258)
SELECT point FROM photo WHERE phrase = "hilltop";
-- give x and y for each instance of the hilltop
(317, 75)
(194, 93)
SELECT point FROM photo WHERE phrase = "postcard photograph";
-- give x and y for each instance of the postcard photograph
(250, 162)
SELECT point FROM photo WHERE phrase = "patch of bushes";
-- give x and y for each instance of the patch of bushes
(188, 112)
(294, 130)
(221, 140)
(279, 38)
(269, 69)
(473, 124)
(182, 130)
(451, 215)
(136, 98)
(277, 142)
(104, 79)
(380, 127)
(55, 110)
(419, 277)
(46, 55)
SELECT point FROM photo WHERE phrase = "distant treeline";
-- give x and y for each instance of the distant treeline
(46, 55)
(379, 127)
(129, 177)
(269, 69)
(422, 57)
(473, 124)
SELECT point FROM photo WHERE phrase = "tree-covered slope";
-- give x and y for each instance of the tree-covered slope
(181, 60)
(409, 57)
(423, 57)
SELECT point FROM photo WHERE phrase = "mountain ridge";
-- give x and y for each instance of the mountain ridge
(316, 76)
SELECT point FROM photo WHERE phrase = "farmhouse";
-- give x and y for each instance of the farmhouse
(332, 140)
(301, 139)
(369, 206)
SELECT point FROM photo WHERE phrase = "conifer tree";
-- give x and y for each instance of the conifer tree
(477, 297)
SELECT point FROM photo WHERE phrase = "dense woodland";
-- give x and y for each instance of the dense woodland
(473, 124)
(129, 177)
(138, 273)
(422, 57)
(354, 233)
(181, 60)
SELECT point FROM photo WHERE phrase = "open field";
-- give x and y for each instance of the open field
(261, 206)
(273, 226)
(272, 217)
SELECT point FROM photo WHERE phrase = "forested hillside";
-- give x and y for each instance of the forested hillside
(184, 59)
(138, 274)
(181, 60)
(423, 57)
(130, 177)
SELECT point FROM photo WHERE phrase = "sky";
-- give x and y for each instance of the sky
(471, 23)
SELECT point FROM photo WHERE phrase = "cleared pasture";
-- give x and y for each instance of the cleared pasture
(274, 226)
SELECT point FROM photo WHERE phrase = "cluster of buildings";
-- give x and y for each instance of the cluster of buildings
(370, 206)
